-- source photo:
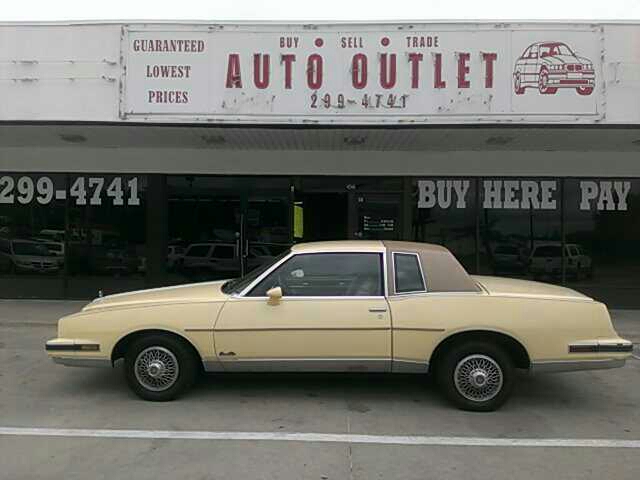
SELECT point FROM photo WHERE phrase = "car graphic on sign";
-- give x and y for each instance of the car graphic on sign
(548, 66)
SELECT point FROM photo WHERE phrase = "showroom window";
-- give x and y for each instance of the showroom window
(32, 234)
(602, 233)
(520, 221)
(444, 212)
(106, 234)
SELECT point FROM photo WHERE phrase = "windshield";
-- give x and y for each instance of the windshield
(553, 49)
(27, 248)
(238, 284)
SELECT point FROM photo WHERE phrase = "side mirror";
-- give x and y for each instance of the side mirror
(274, 294)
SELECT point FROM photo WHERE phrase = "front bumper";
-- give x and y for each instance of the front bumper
(76, 353)
(568, 80)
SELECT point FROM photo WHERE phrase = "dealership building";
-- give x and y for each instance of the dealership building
(135, 155)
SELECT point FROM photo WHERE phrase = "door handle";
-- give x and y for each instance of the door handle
(377, 310)
(227, 354)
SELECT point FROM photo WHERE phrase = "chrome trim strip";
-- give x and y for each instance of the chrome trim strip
(247, 289)
(340, 297)
(554, 366)
(385, 272)
(212, 366)
(197, 329)
(82, 361)
(436, 294)
(419, 329)
(393, 268)
(286, 329)
(406, 365)
(597, 347)
(307, 364)
(72, 347)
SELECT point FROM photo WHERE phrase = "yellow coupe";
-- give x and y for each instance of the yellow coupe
(350, 306)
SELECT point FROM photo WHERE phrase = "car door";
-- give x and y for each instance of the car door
(531, 67)
(332, 316)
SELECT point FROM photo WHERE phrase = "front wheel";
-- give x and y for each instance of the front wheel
(159, 367)
(476, 376)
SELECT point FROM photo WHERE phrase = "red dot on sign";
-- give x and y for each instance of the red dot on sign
(319, 42)
(384, 41)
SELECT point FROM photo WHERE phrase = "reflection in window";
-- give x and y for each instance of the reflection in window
(444, 213)
(326, 275)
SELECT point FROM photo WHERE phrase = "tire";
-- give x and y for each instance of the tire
(584, 90)
(517, 84)
(485, 357)
(543, 81)
(168, 353)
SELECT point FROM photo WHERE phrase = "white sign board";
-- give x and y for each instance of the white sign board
(359, 74)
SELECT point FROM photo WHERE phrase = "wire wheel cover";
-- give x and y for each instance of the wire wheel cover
(156, 368)
(478, 378)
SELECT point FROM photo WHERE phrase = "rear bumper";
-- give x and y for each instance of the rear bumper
(555, 366)
(589, 355)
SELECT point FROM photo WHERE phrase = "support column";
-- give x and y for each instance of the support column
(157, 230)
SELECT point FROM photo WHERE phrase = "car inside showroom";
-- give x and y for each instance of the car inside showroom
(144, 155)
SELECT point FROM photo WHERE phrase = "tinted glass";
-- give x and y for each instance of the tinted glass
(223, 252)
(444, 212)
(407, 273)
(548, 251)
(602, 222)
(326, 275)
(198, 251)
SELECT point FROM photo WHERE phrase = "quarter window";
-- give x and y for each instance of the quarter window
(326, 275)
(408, 273)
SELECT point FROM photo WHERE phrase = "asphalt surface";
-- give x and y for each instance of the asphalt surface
(35, 393)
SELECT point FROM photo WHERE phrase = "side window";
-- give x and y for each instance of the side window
(407, 273)
(223, 251)
(326, 275)
(526, 53)
(4, 246)
(198, 251)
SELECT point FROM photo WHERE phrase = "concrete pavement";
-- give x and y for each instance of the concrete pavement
(36, 393)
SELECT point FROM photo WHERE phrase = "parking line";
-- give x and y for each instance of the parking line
(322, 438)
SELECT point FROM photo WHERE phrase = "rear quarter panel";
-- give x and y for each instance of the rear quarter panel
(544, 327)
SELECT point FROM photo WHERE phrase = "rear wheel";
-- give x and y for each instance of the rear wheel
(584, 90)
(160, 367)
(476, 376)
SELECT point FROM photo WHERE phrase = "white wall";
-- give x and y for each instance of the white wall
(74, 73)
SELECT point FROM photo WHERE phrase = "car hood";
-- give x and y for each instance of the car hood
(35, 258)
(510, 287)
(562, 59)
(195, 292)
